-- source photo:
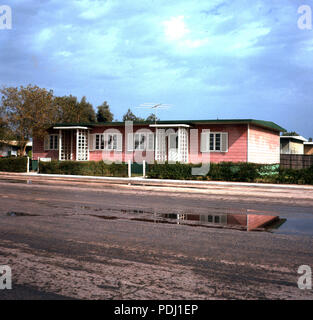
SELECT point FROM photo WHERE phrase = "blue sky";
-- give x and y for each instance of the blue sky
(207, 58)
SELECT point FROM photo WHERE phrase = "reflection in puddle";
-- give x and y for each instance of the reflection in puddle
(249, 222)
(20, 214)
(217, 219)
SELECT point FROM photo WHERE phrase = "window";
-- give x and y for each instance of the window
(51, 142)
(144, 141)
(112, 141)
(140, 141)
(214, 141)
(108, 141)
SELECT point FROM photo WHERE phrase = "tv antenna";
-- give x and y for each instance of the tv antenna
(154, 107)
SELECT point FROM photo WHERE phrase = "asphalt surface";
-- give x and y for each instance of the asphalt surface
(92, 240)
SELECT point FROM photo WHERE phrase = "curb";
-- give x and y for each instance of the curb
(162, 182)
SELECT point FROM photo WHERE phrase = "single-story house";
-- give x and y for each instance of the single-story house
(193, 141)
(11, 147)
(292, 144)
(308, 148)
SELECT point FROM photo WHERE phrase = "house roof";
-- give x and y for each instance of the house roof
(15, 143)
(261, 123)
(299, 138)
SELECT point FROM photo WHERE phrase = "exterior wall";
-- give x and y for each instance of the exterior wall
(291, 147)
(263, 146)
(39, 150)
(308, 149)
(6, 149)
(125, 155)
(237, 145)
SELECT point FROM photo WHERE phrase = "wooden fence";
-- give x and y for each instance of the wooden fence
(296, 161)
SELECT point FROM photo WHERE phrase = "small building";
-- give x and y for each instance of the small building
(292, 144)
(308, 148)
(11, 148)
(193, 141)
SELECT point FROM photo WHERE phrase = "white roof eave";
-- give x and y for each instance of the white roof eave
(71, 128)
(169, 126)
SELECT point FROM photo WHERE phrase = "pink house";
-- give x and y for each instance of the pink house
(194, 141)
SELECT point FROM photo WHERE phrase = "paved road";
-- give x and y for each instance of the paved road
(91, 240)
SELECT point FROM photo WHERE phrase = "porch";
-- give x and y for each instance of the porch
(73, 143)
(171, 142)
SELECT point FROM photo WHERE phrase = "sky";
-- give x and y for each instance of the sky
(208, 59)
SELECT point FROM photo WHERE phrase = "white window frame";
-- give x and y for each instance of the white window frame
(106, 142)
(112, 141)
(55, 142)
(145, 146)
(214, 142)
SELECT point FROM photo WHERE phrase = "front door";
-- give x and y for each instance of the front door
(173, 154)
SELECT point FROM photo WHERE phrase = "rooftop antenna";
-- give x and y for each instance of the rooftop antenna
(154, 107)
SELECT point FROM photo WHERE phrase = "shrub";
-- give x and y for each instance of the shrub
(13, 164)
(88, 168)
(170, 171)
(293, 176)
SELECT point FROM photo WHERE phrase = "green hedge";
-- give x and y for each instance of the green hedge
(170, 171)
(13, 164)
(230, 171)
(88, 168)
(225, 171)
(295, 176)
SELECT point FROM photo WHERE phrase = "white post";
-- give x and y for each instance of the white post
(60, 144)
(77, 133)
(144, 168)
(129, 168)
(27, 169)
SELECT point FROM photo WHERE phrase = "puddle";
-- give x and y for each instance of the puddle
(299, 224)
(222, 218)
(20, 214)
(238, 221)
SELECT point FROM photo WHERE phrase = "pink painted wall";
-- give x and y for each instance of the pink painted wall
(237, 145)
(263, 145)
(39, 152)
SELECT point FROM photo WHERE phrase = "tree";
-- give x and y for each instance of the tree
(129, 116)
(291, 133)
(104, 114)
(69, 110)
(26, 112)
(86, 113)
(152, 118)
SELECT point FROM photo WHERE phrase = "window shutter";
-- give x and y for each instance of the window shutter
(104, 141)
(56, 142)
(47, 142)
(224, 142)
(150, 142)
(119, 142)
(130, 142)
(205, 142)
(91, 138)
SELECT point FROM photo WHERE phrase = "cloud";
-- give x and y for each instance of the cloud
(237, 59)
